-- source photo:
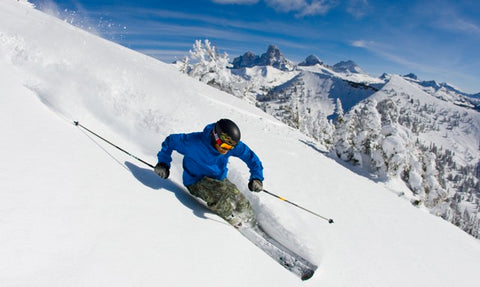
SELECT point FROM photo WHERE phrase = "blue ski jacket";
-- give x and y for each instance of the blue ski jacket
(202, 159)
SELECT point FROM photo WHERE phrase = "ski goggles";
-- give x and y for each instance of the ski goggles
(221, 141)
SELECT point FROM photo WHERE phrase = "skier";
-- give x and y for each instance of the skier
(205, 169)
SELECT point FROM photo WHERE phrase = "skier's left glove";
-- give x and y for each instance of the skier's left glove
(255, 185)
(162, 170)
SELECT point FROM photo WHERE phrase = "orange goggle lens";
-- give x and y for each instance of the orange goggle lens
(225, 146)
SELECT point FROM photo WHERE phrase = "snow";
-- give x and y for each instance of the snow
(77, 212)
(266, 76)
(357, 77)
(443, 113)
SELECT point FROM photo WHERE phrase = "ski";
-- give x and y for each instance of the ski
(277, 251)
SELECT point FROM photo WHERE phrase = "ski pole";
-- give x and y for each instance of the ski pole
(294, 204)
(139, 159)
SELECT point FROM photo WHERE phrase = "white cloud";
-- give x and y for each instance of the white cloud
(315, 8)
(359, 44)
(302, 7)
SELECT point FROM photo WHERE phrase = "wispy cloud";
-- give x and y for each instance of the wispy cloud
(390, 53)
(360, 44)
(315, 8)
(358, 8)
(163, 40)
(459, 25)
(449, 16)
(223, 23)
(159, 23)
(301, 8)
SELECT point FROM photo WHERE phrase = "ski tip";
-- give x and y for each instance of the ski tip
(330, 221)
(307, 275)
(75, 123)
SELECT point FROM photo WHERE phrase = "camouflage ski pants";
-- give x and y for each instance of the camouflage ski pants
(223, 198)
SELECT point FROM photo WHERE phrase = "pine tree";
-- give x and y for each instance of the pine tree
(368, 138)
(339, 112)
(322, 129)
(343, 135)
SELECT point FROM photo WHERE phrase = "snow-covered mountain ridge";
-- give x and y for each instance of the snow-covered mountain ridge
(446, 92)
(431, 117)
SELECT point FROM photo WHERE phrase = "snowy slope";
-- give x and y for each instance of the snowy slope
(75, 212)
(357, 76)
(447, 124)
(260, 79)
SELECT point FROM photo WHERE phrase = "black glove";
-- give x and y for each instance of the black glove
(255, 185)
(162, 170)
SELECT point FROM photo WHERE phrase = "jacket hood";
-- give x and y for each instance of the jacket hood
(206, 134)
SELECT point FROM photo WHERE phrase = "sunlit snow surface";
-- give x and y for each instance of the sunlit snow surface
(76, 212)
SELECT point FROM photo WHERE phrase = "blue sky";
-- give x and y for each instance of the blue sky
(435, 39)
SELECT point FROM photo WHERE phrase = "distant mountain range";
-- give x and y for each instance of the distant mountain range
(346, 71)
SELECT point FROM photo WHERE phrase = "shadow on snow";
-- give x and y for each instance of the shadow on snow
(148, 178)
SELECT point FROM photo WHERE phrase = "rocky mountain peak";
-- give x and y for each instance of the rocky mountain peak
(349, 67)
(311, 60)
(272, 57)
(248, 59)
(411, 76)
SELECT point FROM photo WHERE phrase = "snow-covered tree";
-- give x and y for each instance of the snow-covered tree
(343, 135)
(321, 128)
(368, 137)
(339, 111)
(207, 65)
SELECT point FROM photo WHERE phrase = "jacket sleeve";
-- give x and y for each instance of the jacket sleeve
(243, 152)
(172, 142)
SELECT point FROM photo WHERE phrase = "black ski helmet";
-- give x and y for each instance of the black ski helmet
(228, 132)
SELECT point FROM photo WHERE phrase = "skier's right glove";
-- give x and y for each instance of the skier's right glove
(255, 185)
(162, 170)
